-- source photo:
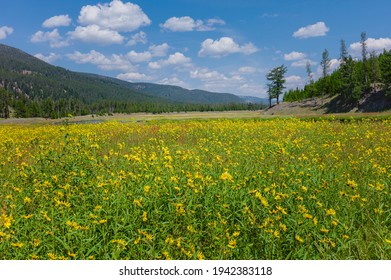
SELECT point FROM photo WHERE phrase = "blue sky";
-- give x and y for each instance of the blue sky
(216, 45)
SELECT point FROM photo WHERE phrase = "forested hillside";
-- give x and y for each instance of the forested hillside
(355, 81)
(30, 87)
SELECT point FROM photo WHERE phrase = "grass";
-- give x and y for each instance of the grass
(197, 189)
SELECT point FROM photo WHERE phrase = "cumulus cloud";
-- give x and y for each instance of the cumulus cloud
(5, 31)
(115, 62)
(377, 45)
(314, 30)
(159, 50)
(174, 59)
(48, 58)
(334, 64)
(173, 81)
(186, 23)
(303, 63)
(294, 81)
(57, 21)
(207, 75)
(140, 37)
(139, 57)
(95, 34)
(234, 82)
(294, 56)
(133, 77)
(224, 46)
(118, 16)
(247, 70)
(53, 37)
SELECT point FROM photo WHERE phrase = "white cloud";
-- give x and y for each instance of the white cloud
(133, 76)
(116, 16)
(186, 23)
(140, 37)
(5, 31)
(377, 45)
(139, 57)
(214, 21)
(115, 62)
(173, 81)
(95, 34)
(303, 63)
(253, 89)
(181, 24)
(294, 81)
(247, 70)
(294, 56)
(159, 50)
(53, 37)
(48, 58)
(213, 80)
(207, 75)
(57, 21)
(177, 58)
(224, 46)
(314, 30)
(174, 59)
(334, 64)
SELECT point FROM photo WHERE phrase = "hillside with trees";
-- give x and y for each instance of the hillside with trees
(30, 87)
(363, 83)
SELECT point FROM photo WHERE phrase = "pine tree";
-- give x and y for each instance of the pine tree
(344, 53)
(4, 99)
(364, 53)
(325, 63)
(276, 76)
(385, 68)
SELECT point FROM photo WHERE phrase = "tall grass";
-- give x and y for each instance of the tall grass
(212, 189)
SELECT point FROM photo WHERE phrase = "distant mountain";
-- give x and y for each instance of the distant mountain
(179, 94)
(23, 73)
(253, 99)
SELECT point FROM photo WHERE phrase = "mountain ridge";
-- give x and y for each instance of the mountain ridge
(24, 73)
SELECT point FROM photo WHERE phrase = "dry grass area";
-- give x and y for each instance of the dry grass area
(136, 117)
(311, 107)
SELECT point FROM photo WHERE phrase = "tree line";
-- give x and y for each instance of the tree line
(352, 80)
(20, 106)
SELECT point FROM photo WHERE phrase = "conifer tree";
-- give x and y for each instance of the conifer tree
(277, 79)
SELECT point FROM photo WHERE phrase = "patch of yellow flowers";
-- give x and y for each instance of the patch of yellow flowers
(216, 189)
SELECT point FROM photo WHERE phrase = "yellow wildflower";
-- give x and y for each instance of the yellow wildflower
(120, 242)
(226, 176)
(6, 221)
(167, 255)
(180, 210)
(19, 244)
(52, 256)
(330, 212)
(232, 244)
(147, 189)
(145, 218)
(298, 238)
(352, 184)
(200, 256)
